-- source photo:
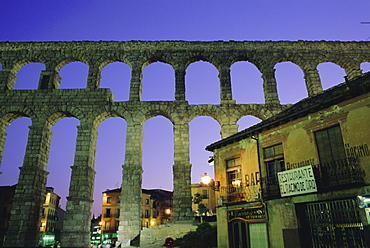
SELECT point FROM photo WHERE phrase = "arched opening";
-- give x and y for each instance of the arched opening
(204, 130)
(247, 121)
(158, 82)
(330, 74)
(74, 75)
(246, 83)
(110, 155)
(202, 83)
(158, 153)
(290, 83)
(14, 150)
(61, 157)
(116, 76)
(28, 76)
(365, 67)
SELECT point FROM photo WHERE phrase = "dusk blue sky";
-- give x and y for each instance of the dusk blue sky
(191, 20)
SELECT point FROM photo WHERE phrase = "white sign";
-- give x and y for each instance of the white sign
(297, 181)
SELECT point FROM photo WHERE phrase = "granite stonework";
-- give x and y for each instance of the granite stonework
(48, 104)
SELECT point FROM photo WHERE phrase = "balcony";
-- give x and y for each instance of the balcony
(340, 173)
(232, 194)
(334, 175)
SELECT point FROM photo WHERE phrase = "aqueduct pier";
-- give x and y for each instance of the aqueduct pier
(48, 103)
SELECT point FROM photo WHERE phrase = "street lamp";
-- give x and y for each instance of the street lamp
(207, 180)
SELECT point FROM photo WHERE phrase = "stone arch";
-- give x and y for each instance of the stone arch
(327, 77)
(247, 121)
(295, 80)
(105, 61)
(18, 65)
(158, 140)
(14, 112)
(253, 59)
(335, 59)
(198, 57)
(245, 78)
(206, 110)
(163, 57)
(148, 112)
(68, 60)
(102, 114)
(257, 110)
(115, 75)
(296, 58)
(53, 115)
(67, 70)
(197, 88)
(164, 70)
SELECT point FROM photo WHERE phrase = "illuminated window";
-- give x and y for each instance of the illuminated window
(234, 172)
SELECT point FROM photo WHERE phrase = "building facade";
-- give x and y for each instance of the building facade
(51, 223)
(156, 209)
(294, 180)
(52, 219)
(208, 195)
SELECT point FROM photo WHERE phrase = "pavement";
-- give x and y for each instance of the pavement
(156, 244)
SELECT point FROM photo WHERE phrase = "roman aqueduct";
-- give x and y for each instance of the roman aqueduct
(92, 105)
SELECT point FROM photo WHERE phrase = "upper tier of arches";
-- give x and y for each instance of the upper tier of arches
(179, 55)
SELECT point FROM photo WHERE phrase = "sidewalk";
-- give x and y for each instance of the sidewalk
(157, 244)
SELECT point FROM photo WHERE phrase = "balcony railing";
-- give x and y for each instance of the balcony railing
(232, 193)
(333, 175)
(340, 173)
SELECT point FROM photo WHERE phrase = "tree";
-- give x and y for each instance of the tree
(197, 199)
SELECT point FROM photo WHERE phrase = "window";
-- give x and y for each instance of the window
(117, 212)
(107, 212)
(330, 145)
(109, 199)
(146, 214)
(335, 168)
(205, 194)
(146, 201)
(107, 225)
(233, 170)
(274, 161)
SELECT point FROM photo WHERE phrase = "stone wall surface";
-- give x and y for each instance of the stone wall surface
(48, 104)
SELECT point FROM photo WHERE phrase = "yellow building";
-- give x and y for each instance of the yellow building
(156, 210)
(156, 207)
(208, 195)
(294, 180)
(52, 217)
